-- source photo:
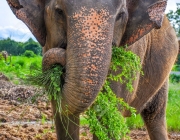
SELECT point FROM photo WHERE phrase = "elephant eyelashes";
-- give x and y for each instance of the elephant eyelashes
(120, 15)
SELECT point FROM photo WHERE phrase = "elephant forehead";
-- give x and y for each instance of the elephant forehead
(92, 24)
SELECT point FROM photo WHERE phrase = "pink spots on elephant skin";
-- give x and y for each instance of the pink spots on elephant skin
(90, 35)
(90, 29)
(93, 24)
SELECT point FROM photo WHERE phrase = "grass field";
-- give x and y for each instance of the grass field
(21, 66)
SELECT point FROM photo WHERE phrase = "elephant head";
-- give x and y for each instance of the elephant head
(80, 33)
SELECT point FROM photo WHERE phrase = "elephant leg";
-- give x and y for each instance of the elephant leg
(154, 115)
(67, 127)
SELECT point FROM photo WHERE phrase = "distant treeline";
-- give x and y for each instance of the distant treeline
(19, 48)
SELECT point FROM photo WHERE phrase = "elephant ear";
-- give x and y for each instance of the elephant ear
(144, 15)
(31, 12)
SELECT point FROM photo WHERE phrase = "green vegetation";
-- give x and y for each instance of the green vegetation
(18, 48)
(122, 64)
(29, 53)
(50, 81)
(174, 17)
(19, 67)
(173, 107)
(175, 78)
(103, 117)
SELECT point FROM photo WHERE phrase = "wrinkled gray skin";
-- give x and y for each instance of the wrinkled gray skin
(82, 33)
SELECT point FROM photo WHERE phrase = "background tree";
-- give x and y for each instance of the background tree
(9, 45)
(174, 18)
(18, 48)
(33, 46)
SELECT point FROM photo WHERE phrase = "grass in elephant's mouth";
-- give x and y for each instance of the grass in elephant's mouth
(51, 80)
(104, 118)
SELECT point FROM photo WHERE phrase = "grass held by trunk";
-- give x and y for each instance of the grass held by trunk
(51, 81)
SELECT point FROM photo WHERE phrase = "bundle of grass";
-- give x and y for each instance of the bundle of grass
(51, 80)
(104, 118)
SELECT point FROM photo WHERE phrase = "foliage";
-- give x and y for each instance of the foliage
(173, 107)
(1, 57)
(124, 65)
(175, 78)
(51, 81)
(177, 66)
(20, 62)
(18, 48)
(174, 18)
(20, 67)
(104, 118)
(29, 53)
(33, 46)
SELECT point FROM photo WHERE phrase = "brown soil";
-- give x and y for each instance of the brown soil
(23, 118)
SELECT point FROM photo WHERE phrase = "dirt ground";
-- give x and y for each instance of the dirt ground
(23, 118)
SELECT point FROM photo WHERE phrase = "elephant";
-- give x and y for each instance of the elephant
(5, 55)
(80, 34)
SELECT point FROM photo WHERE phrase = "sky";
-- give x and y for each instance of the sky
(10, 26)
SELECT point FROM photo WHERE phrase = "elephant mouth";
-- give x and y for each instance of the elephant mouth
(63, 46)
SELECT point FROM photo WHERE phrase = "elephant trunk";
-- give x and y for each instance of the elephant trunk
(88, 56)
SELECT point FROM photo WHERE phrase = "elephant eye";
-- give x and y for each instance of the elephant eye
(59, 11)
(120, 15)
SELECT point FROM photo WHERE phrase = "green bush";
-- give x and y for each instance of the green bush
(34, 65)
(20, 62)
(19, 66)
(29, 53)
(1, 57)
(175, 78)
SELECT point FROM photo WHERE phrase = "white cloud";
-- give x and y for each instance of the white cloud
(10, 26)
(18, 34)
(171, 5)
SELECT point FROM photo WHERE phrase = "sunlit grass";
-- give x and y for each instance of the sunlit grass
(173, 107)
(19, 67)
